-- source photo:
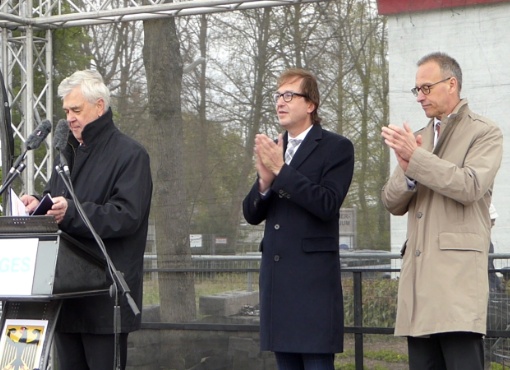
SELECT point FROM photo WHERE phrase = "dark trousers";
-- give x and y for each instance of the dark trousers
(78, 351)
(305, 361)
(446, 351)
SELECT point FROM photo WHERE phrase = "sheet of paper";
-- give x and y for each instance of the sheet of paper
(17, 206)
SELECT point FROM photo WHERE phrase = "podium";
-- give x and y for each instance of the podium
(39, 267)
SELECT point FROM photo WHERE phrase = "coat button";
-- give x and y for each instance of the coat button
(276, 227)
(417, 253)
(419, 215)
(276, 258)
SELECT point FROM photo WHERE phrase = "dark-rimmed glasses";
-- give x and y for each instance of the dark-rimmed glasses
(425, 89)
(287, 96)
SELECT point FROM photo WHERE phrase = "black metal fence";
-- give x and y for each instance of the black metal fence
(227, 301)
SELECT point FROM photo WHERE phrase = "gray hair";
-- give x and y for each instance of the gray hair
(91, 84)
(449, 66)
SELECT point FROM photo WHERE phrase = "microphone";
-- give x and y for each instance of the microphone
(61, 135)
(40, 133)
(60, 142)
(33, 142)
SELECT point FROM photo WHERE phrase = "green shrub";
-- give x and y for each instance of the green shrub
(379, 300)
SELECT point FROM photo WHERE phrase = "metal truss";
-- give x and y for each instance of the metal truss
(24, 56)
(66, 13)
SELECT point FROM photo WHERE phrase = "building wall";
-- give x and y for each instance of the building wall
(477, 36)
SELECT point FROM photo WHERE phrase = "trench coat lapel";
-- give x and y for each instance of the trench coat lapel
(448, 126)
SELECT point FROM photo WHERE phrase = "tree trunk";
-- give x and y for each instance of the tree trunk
(163, 66)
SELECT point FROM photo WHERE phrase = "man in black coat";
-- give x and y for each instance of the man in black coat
(301, 302)
(110, 173)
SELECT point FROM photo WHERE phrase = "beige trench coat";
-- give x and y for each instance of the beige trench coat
(443, 283)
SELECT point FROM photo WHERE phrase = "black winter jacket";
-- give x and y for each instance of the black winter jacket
(111, 177)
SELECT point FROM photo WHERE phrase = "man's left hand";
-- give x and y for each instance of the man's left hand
(59, 208)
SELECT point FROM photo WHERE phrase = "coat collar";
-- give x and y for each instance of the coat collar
(95, 130)
(448, 124)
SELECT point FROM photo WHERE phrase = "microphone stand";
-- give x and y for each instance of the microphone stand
(17, 168)
(117, 277)
(11, 176)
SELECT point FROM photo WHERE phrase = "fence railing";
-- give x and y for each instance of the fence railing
(364, 274)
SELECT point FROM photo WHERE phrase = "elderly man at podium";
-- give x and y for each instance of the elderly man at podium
(111, 177)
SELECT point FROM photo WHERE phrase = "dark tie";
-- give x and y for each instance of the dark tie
(291, 149)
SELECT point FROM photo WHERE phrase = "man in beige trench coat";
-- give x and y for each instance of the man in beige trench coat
(444, 182)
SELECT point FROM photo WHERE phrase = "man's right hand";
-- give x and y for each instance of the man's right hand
(30, 202)
(266, 176)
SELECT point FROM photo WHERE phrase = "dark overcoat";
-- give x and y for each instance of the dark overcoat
(111, 177)
(301, 301)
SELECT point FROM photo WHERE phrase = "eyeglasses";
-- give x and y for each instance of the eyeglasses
(287, 96)
(425, 89)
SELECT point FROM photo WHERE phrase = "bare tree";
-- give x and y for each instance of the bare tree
(115, 50)
(343, 43)
(362, 102)
(236, 101)
(163, 66)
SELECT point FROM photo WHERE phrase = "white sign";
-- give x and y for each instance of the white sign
(195, 240)
(17, 266)
(347, 221)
